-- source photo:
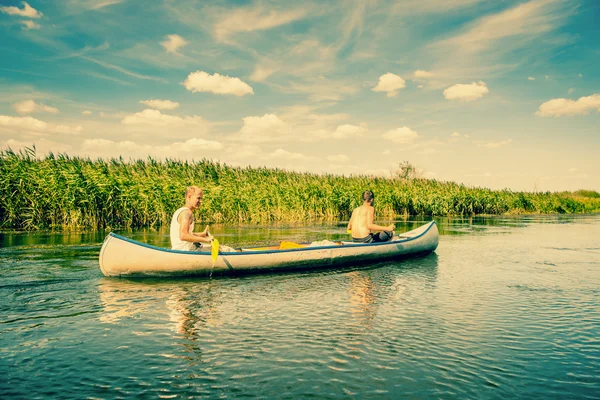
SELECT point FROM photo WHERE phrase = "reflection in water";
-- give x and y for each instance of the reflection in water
(191, 309)
(392, 281)
(190, 314)
(362, 295)
(186, 308)
(117, 301)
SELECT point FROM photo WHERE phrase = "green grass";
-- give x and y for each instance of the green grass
(65, 192)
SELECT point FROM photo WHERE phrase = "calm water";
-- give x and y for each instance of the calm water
(505, 308)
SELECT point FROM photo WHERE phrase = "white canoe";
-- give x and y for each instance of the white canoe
(125, 257)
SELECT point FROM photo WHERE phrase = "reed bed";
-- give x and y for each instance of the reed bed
(59, 191)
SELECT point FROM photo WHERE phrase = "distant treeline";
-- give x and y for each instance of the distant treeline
(59, 191)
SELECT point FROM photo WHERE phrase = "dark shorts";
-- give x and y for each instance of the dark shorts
(378, 237)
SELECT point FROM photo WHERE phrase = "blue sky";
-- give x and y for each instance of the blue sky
(498, 94)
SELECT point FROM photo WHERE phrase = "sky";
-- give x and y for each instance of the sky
(495, 94)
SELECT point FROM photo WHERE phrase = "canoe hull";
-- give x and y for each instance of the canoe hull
(125, 257)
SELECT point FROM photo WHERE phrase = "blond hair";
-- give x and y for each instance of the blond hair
(191, 190)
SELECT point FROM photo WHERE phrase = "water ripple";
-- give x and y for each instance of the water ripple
(472, 321)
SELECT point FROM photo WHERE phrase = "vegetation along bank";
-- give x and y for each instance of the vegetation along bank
(59, 191)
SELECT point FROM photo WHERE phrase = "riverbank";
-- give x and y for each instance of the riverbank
(59, 191)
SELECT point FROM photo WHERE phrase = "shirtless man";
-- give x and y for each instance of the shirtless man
(183, 236)
(361, 223)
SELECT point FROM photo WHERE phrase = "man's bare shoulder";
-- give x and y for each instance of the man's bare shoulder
(185, 215)
(358, 210)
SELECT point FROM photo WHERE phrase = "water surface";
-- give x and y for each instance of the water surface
(507, 307)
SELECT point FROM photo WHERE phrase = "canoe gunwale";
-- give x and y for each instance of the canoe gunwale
(249, 252)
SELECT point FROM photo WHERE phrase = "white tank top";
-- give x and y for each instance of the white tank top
(176, 243)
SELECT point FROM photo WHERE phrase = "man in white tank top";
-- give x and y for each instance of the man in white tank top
(183, 236)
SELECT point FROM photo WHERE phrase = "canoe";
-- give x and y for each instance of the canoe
(121, 256)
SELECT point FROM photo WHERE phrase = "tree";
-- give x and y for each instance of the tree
(407, 171)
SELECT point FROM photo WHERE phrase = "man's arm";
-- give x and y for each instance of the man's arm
(185, 221)
(374, 227)
(350, 222)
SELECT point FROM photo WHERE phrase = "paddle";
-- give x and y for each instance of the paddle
(214, 250)
(214, 247)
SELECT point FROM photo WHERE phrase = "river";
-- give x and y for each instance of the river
(507, 307)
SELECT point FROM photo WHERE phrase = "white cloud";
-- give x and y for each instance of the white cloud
(528, 19)
(411, 7)
(27, 123)
(86, 112)
(561, 107)
(424, 78)
(155, 122)
(30, 24)
(22, 125)
(174, 43)
(27, 11)
(423, 74)
(194, 144)
(122, 70)
(154, 118)
(573, 169)
(254, 19)
(243, 151)
(201, 81)
(401, 135)
(160, 104)
(492, 145)
(262, 72)
(347, 130)
(267, 128)
(321, 89)
(281, 153)
(531, 78)
(97, 4)
(43, 146)
(188, 149)
(466, 92)
(316, 135)
(30, 106)
(338, 158)
(390, 83)
(308, 60)
(457, 136)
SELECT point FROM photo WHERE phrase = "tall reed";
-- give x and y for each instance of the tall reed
(59, 191)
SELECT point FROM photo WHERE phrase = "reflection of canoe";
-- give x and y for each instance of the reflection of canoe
(121, 256)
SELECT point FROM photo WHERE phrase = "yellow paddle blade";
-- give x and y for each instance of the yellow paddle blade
(214, 251)
(290, 245)
(349, 231)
